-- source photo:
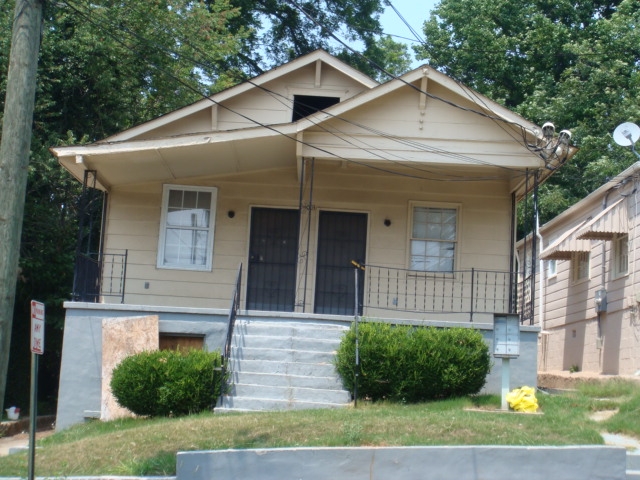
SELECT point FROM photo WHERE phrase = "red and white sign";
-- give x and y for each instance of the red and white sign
(37, 327)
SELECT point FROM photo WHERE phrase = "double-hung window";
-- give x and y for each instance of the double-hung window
(552, 268)
(434, 239)
(187, 227)
(621, 255)
(580, 267)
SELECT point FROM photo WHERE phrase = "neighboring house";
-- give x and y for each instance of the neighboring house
(294, 175)
(587, 294)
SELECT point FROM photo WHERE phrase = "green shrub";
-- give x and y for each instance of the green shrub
(399, 362)
(167, 382)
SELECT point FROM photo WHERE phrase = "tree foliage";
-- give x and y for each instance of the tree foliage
(575, 64)
(282, 30)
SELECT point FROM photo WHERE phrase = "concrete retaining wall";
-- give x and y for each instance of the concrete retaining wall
(407, 463)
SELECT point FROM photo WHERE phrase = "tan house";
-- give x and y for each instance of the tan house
(587, 293)
(303, 175)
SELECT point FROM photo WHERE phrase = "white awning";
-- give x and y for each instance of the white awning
(565, 246)
(612, 221)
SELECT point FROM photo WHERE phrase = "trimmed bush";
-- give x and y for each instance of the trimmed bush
(167, 382)
(412, 364)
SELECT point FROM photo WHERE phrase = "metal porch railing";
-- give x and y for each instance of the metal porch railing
(99, 275)
(461, 291)
(231, 322)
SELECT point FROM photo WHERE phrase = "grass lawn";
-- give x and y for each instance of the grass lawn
(149, 446)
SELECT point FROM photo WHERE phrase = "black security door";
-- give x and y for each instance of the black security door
(273, 254)
(342, 237)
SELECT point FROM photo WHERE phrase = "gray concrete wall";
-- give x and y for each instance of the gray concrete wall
(80, 388)
(407, 463)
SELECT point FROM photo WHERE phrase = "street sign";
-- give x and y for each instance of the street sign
(37, 327)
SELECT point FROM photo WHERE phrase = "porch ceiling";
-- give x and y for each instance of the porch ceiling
(178, 158)
(140, 162)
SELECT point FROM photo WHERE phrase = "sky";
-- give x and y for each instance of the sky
(414, 11)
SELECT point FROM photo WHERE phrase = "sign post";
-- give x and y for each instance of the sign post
(37, 348)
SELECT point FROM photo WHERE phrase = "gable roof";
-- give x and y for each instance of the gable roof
(482, 134)
(314, 57)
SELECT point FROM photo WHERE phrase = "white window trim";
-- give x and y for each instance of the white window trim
(552, 272)
(574, 268)
(163, 227)
(617, 273)
(458, 209)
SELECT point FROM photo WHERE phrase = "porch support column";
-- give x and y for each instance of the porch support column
(423, 97)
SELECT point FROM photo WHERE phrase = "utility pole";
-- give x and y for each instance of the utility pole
(14, 159)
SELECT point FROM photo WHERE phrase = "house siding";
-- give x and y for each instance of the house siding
(571, 338)
(268, 105)
(134, 215)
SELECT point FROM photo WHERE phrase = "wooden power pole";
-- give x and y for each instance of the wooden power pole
(14, 159)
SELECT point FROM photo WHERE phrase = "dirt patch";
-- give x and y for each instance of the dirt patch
(15, 434)
(602, 415)
(19, 441)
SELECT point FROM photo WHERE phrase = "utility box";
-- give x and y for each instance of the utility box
(506, 336)
(600, 301)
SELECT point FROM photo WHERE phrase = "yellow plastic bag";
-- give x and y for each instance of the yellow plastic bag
(523, 399)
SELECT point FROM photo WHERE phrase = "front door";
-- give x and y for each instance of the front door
(273, 255)
(342, 237)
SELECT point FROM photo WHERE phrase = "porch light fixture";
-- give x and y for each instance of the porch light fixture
(626, 135)
(553, 150)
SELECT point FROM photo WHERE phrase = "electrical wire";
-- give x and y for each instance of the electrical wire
(417, 36)
(532, 148)
(411, 143)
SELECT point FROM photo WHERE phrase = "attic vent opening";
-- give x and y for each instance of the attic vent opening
(304, 105)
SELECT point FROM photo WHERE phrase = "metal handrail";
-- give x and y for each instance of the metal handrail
(231, 323)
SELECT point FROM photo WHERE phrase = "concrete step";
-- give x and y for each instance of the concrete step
(290, 329)
(281, 355)
(318, 369)
(284, 365)
(291, 394)
(246, 404)
(633, 474)
(331, 382)
(284, 342)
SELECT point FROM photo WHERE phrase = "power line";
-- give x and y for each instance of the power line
(395, 138)
(417, 36)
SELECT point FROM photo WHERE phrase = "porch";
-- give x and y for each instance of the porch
(371, 291)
